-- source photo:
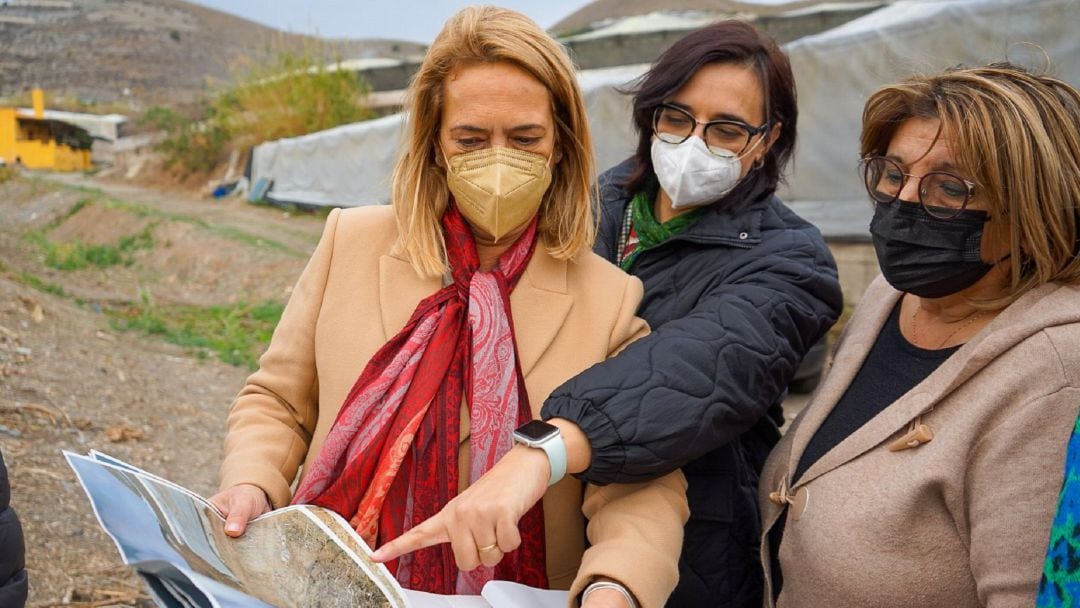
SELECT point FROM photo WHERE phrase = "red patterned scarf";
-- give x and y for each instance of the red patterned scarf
(389, 462)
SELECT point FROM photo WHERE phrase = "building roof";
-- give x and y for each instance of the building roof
(601, 13)
(99, 126)
(641, 24)
(64, 132)
(70, 116)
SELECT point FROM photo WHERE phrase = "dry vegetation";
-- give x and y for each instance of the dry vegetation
(292, 94)
(112, 347)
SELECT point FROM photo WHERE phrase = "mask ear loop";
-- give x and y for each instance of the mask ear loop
(760, 161)
(445, 159)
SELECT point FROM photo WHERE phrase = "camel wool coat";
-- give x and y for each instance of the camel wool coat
(961, 520)
(356, 293)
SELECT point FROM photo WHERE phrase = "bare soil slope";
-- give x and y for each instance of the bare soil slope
(70, 380)
(162, 51)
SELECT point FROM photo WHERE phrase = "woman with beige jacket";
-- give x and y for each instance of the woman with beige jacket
(422, 339)
(925, 470)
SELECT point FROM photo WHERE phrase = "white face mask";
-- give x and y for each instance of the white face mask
(691, 175)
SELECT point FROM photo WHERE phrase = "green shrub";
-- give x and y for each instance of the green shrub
(76, 255)
(194, 145)
(293, 94)
(236, 334)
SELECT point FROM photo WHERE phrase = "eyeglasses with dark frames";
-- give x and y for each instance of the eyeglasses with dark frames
(942, 194)
(675, 125)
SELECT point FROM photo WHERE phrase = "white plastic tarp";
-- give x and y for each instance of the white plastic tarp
(835, 72)
(345, 166)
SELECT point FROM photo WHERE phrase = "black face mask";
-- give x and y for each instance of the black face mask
(929, 257)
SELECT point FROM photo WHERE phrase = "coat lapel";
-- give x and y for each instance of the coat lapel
(859, 339)
(878, 429)
(400, 290)
(539, 306)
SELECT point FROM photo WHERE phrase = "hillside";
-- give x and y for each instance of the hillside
(72, 378)
(596, 11)
(145, 52)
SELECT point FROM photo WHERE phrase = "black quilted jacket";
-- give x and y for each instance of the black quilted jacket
(734, 304)
(13, 586)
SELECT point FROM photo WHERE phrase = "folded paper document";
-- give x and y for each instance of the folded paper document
(300, 555)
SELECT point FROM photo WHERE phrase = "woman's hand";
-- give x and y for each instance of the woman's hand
(240, 504)
(481, 523)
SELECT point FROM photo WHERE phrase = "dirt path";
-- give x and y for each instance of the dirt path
(70, 381)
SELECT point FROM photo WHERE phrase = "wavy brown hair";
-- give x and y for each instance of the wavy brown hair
(1014, 134)
(478, 35)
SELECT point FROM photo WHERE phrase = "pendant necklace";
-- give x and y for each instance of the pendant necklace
(965, 323)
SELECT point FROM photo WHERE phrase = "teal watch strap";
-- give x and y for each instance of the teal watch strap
(556, 453)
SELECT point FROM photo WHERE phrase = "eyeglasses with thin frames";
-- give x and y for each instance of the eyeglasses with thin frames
(675, 125)
(942, 194)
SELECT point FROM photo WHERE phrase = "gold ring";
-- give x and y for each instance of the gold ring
(490, 547)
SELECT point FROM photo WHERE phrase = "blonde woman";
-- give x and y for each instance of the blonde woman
(925, 471)
(422, 338)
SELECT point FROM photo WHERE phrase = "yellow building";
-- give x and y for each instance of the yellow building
(41, 143)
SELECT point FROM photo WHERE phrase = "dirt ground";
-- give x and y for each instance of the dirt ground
(69, 381)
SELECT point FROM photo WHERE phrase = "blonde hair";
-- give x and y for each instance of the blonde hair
(1014, 134)
(478, 35)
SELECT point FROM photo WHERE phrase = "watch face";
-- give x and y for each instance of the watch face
(537, 430)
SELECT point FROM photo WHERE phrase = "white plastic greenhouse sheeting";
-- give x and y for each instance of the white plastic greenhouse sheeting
(347, 166)
(835, 72)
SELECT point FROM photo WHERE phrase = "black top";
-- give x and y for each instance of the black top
(893, 367)
(735, 302)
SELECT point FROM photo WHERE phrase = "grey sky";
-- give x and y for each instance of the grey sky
(417, 20)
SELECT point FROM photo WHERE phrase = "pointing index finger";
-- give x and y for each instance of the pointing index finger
(420, 537)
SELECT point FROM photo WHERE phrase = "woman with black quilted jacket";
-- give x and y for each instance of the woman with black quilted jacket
(737, 289)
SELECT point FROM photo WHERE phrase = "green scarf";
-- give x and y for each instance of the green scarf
(650, 232)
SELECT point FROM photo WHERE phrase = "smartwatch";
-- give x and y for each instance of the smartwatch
(547, 437)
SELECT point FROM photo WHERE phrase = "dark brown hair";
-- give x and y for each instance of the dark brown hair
(730, 41)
